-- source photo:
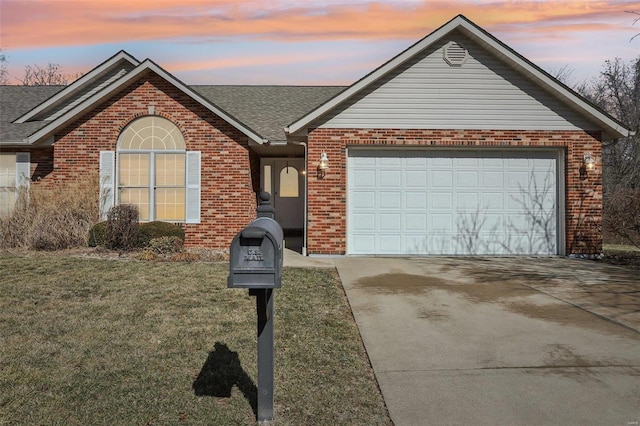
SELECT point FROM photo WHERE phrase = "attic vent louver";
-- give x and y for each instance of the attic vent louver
(454, 54)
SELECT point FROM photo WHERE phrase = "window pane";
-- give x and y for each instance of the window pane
(138, 197)
(170, 204)
(267, 179)
(152, 133)
(289, 182)
(170, 170)
(8, 170)
(134, 169)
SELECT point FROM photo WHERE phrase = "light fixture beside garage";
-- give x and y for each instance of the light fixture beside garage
(589, 161)
(323, 165)
(588, 164)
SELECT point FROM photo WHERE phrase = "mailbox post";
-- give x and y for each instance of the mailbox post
(256, 257)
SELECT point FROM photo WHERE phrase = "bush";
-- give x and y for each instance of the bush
(151, 230)
(165, 245)
(122, 229)
(622, 215)
(51, 217)
(96, 234)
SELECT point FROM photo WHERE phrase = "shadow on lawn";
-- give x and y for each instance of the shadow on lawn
(220, 372)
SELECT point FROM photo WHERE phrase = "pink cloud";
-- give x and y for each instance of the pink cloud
(46, 23)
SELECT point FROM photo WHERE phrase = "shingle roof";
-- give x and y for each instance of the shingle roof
(265, 109)
(17, 100)
(268, 109)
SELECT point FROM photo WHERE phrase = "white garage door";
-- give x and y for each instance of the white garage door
(452, 202)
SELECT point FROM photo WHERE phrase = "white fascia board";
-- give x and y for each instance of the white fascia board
(113, 87)
(78, 84)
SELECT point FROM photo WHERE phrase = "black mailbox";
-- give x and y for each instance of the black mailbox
(256, 256)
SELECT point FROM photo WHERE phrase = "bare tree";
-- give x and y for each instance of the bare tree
(635, 21)
(4, 72)
(49, 75)
(617, 91)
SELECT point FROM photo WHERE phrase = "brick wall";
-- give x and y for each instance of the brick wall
(228, 199)
(327, 196)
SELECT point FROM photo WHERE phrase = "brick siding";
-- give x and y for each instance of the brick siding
(228, 173)
(327, 197)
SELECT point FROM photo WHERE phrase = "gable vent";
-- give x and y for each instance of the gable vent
(454, 54)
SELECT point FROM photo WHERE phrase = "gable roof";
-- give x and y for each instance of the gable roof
(122, 82)
(92, 81)
(612, 128)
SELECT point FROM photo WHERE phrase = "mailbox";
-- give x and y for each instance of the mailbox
(256, 256)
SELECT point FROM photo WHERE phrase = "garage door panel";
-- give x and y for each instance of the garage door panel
(467, 179)
(441, 201)
(390, 244)
(389, 222)
(390, 179)
(442, 179)
(389, 200)
(415, 179)
(415, 222)
(415, 200)
(363, 199)
(364, 222)
(452, 202)
(492, 179)
(442, 223)
(467, 201)
(492, 201)
(363, 178)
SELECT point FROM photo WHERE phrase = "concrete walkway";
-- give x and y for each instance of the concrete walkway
(499, 341)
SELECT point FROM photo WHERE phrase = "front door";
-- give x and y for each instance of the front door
(283, 178)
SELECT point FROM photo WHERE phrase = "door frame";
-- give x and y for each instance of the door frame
(268, 184)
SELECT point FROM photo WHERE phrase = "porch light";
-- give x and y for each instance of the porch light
(589, 161)
(323, 165)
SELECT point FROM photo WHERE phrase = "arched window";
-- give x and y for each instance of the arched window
(152, 169)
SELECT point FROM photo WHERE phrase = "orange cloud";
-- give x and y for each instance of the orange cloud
(45, 23)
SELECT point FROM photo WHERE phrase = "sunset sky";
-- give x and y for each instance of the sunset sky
(301, 41)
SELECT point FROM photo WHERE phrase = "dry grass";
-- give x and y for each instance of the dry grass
(119, 342)
(51, 218)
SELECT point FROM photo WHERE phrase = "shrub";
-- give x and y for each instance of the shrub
(151, 230)
(165, 245)
(96, 234)
(185, 256)
(622, 215)
(51, 217)
(122, 229)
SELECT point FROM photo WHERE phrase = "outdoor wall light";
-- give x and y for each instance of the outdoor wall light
(588, 164)
(323, 165)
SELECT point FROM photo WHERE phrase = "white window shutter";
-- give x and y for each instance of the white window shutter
(23, 169)
(107, 182)
(193, 187)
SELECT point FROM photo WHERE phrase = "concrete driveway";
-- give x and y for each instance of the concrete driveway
(500, 341)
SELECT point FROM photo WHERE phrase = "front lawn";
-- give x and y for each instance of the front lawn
(113, 342)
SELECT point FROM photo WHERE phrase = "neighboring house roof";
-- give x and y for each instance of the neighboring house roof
(611, 127)
(268, 109)
(16, 101)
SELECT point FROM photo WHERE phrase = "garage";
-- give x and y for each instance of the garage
(453, 202)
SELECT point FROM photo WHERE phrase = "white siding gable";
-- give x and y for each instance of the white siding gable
(429, 93)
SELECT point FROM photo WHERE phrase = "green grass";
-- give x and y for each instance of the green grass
(89, 341)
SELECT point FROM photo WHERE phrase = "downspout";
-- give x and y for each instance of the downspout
(306, 194)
